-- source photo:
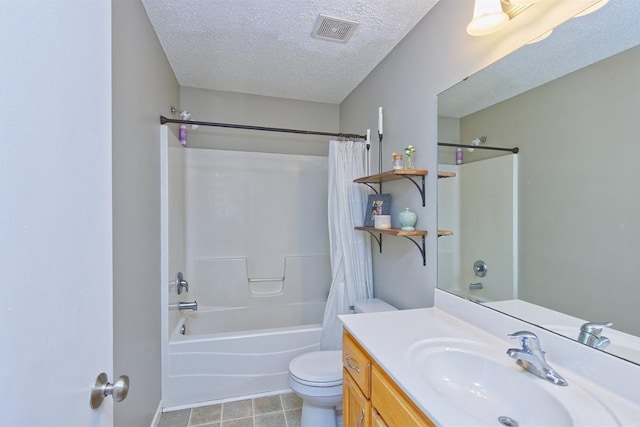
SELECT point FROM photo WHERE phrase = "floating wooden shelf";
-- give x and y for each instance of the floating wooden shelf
(391, 176)
(442, 174)
(395, 175)
(407, 234)
(393, 231)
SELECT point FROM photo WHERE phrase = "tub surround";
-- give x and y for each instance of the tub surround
(388, 338)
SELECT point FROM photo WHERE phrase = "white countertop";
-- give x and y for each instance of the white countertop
(389, 336)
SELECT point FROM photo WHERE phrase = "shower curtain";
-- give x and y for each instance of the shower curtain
(350, 250)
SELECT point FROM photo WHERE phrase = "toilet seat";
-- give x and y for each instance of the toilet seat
(317, 369)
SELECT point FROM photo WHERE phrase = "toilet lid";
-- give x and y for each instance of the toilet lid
(318, 367)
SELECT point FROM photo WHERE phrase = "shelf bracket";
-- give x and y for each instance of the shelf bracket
(371, 187)
(419, 187)
(378, 239)
(420, 247)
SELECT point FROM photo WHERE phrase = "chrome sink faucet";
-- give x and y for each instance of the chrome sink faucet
(590, 334)
(531, 357)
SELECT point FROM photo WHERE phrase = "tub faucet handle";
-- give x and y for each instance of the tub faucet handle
(181, 283)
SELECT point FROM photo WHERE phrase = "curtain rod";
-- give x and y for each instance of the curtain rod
(514, 150)
(164, 120)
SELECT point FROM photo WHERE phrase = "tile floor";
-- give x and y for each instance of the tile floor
(272, 411)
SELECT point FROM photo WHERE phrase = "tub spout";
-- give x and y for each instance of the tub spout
(188, 305)
(185, 306)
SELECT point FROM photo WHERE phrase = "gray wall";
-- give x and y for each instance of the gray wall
(143, 88)
(436, 54)
(579, 205)
(239, 108)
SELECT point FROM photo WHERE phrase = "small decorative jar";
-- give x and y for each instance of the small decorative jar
(409, 151)
(396, 163)
(409, 165)
(408, 220)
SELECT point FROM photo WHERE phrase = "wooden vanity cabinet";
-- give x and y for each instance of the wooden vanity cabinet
(356, 408)
(377, 421)
(356, 384)
(370, 397)
(392, 404)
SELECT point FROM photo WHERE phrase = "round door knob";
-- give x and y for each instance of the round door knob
(102, 388)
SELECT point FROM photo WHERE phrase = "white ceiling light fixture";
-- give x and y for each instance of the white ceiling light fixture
(541, 37)
(515, 7)
(592, 8)
(488, 17)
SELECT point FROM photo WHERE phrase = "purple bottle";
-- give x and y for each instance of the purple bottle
(182, 135)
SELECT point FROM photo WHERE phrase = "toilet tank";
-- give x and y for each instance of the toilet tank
(372, 305)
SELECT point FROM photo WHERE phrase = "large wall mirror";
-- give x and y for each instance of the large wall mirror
(551, 234)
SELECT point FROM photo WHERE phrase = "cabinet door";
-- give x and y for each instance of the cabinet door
(356, 409)
(393, 405)
(376, 419)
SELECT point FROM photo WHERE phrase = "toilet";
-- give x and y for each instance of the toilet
(316, 377)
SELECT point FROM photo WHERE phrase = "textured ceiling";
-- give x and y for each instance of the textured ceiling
(264, 47)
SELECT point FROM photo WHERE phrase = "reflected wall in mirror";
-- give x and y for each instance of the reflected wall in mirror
(559, 225)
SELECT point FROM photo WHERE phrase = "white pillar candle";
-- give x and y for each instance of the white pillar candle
(368, 151)
(380, 121)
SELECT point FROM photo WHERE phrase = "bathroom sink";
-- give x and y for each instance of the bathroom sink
(483, 386)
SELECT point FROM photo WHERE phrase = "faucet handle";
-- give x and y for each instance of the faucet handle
(591, 334)
(523, 335)
(595, 328)
(181, 283)
(528, 339)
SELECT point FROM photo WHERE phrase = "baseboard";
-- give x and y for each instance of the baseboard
(156, 418)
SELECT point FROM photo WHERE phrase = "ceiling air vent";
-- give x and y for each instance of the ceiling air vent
(333, 29)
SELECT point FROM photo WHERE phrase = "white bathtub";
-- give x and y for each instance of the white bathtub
(232, 352)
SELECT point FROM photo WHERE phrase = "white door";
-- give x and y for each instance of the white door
(55, 211)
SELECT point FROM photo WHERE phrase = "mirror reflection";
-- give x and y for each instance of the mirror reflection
(550, 235)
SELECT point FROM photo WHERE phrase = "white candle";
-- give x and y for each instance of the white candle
(380, 121)
(368, 166)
